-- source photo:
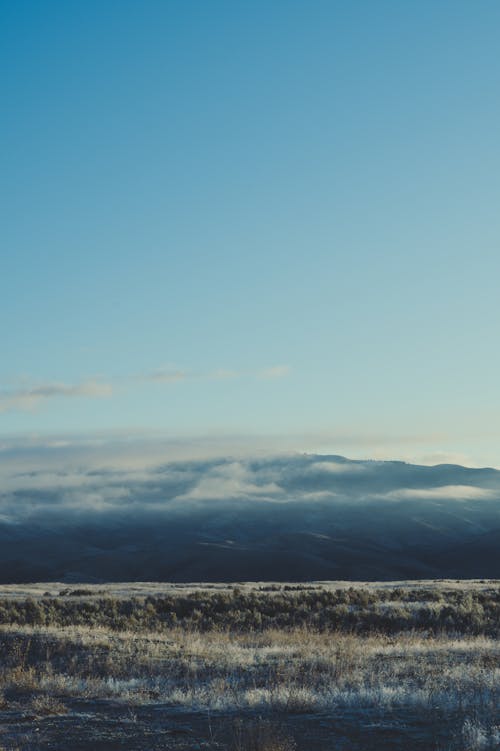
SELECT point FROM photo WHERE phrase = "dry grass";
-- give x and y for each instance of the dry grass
(291, 671)
(264, 672)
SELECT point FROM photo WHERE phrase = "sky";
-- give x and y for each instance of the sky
(270, 225)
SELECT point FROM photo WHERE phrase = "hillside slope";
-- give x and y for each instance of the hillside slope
(286, 518)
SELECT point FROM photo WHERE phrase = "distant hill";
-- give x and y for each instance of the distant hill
(298, 517)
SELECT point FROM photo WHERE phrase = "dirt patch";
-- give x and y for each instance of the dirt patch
(109, 726)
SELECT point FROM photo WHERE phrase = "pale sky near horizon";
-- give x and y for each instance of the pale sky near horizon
(271, 220)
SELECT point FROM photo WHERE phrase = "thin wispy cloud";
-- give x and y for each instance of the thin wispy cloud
(166, 375)
(174, 375)
(457, 492)
(170, 374)
(223, 374)
(276, 371)
(30, 397)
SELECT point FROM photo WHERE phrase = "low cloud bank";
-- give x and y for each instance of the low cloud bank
(185, 485)
(277, 517)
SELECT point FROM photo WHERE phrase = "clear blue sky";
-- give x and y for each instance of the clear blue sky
(253, 218)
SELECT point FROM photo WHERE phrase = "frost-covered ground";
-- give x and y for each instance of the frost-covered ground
(215, 681)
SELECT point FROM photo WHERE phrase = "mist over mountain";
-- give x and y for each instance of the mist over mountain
(293, 517)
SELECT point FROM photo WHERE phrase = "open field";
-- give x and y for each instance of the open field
(251, 667)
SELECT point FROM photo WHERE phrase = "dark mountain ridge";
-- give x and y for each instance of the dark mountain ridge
(297, 518)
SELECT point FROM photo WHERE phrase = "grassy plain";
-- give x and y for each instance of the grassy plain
(251, 667)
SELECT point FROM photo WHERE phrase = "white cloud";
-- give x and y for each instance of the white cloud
(170, 374)
(36, 482)
(166, 375)
(276, 371)
(455, 492)
(319, 495)
(230, 481)
(336, 468)
(29, 397)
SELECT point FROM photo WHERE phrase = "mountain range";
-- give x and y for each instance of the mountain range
(285, 518)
